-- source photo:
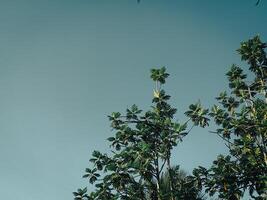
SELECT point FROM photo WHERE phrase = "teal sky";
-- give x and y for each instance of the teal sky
(66, 64)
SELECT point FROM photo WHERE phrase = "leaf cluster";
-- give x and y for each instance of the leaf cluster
(241, 118)
(140, 151)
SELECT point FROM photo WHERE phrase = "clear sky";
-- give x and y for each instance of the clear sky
(66, 64)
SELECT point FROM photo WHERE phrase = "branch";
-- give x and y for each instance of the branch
(228, 141)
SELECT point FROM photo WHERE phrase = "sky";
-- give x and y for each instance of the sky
(66, 64)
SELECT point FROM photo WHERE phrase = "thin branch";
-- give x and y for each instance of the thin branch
(228, 141)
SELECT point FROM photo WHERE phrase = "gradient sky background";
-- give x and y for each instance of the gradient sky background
(66, 64)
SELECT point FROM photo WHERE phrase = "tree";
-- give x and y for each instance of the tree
(139, 164)
(140, 154)
(241, 118)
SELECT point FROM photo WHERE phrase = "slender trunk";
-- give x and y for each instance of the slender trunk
(158, 191)
(170, 176)
(158, 178)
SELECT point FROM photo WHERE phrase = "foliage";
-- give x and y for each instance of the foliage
(241, 118)
(139, 164)
(141, 152)
(185, 187)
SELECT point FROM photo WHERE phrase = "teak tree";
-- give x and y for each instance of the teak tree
(140, 154)
(242, 124)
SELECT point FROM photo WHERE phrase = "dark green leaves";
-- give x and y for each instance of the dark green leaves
(81, 194)
(142, 144)
(253, 52)
(132, 113)
(241, 121)
(198, 115)
(91, 175)
(235, 73)
(140, 149)
(159, 75)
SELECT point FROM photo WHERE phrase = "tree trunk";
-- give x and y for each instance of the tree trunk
(158, 178)
(170, 176)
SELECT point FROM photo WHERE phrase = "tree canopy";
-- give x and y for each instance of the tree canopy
(141, 151)
(138, 166)
(241, 117)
